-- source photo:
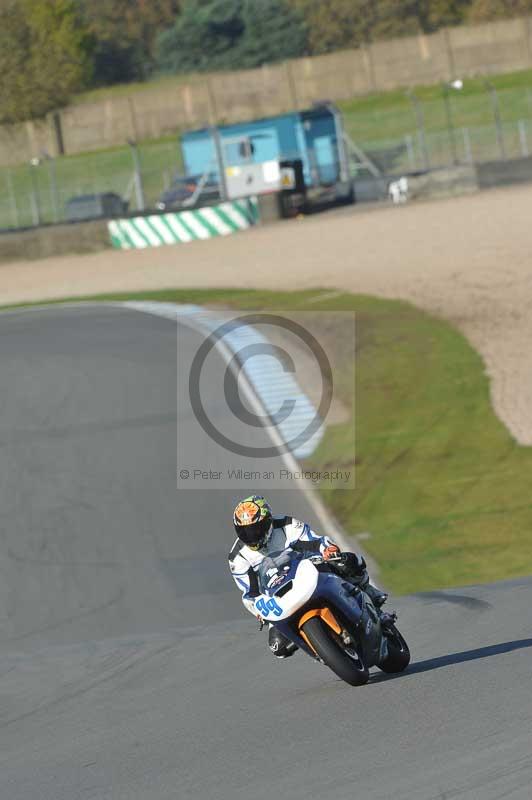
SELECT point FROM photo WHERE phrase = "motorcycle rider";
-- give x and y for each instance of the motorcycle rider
(260, 534)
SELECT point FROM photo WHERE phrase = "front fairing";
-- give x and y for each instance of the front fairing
(291, 584)
(332, 591)
(353, 605)
(288, 589)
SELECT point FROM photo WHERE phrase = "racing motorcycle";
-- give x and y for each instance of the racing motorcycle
(329, 618)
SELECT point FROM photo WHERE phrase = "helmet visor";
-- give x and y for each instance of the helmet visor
(254, 534)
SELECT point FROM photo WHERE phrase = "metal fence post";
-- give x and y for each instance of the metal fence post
(450, 124)
(410, 150)
(218, 147)
(53, 187)
(15, 217)
(34, 210)
(35, 204)
(523, 139)
(467, 146)
(494, 97)
(139, 188)
(422, 134)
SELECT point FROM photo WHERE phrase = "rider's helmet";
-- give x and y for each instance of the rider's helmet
(253, 521)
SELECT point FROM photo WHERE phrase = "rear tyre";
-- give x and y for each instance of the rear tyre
(349, 668)
(398, 657)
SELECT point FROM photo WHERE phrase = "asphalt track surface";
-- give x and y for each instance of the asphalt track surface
(128, 669)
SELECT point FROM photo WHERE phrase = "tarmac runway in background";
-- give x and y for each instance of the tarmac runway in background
(128, 667)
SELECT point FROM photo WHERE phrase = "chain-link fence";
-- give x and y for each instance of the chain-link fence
(467, 125)
(472, 145)
(461, 126)
(42, 191)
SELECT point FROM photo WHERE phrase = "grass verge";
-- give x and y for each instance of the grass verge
(440, 484)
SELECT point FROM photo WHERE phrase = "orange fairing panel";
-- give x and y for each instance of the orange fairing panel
(326, 615)
(305, 637)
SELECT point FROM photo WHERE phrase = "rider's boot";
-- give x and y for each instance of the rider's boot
(377, 596)
(280, 645)
(354, 568)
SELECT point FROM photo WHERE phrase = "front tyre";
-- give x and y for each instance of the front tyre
(398, 657)
(349, 668)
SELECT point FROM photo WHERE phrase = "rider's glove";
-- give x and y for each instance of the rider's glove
(332, 551)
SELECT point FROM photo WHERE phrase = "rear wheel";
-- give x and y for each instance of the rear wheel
(398, 657)
(348, 667)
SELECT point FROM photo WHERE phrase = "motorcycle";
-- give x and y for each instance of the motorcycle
(327, 617)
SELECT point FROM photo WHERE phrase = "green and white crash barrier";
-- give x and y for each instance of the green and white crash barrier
(183, 226)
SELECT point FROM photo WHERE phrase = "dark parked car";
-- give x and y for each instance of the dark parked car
(95, 206)
(189, 191)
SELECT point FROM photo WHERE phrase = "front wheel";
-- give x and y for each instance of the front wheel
(398, 657)
(349, 668)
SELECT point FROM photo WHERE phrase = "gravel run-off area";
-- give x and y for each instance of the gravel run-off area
(466, 259)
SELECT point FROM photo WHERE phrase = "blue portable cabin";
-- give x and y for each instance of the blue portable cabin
(315, 136)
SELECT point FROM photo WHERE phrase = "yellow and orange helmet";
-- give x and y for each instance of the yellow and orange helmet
(253, 521)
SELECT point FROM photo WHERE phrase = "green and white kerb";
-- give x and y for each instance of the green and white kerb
(183, 226)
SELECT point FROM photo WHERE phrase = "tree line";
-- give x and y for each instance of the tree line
(51, 50)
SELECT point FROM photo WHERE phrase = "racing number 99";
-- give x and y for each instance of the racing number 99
(264, 608)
